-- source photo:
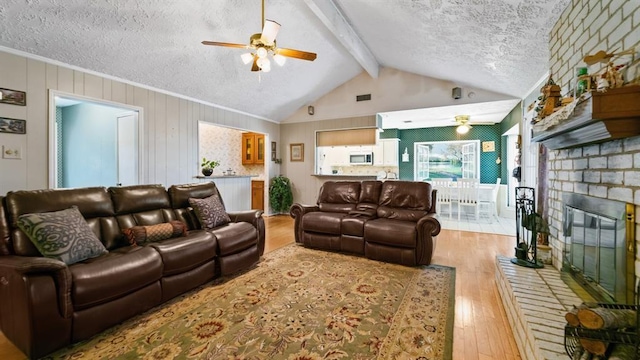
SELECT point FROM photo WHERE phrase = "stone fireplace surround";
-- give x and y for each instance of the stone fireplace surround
(536, 300)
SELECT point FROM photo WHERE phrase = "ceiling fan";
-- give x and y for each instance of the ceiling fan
(463, 124)
(264, 44)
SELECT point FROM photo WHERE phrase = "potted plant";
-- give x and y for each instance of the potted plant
(280, 194)
(208, 166)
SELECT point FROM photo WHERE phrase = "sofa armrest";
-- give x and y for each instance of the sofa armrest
(15, 268)
(428, 228)
(297, 211)
(253, 217)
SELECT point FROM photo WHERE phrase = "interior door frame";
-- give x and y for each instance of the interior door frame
(52, 162)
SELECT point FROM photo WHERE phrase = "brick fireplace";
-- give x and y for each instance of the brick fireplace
(536, 300)
(610, 170)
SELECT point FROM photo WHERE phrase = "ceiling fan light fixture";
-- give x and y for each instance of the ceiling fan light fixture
(264, 64)
(279, 59)
(462, 129)
(262, 53)
(269, 32)
(246, 58)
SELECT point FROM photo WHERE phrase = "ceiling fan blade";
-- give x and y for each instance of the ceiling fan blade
(255, 66)
(243, 46)
(269, 32)
(297, 54)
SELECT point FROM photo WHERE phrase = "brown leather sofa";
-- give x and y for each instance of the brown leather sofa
(392, 221)
(46, 304)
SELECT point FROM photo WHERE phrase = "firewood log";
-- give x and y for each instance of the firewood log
(572, 315)
(601, 318)
(595, 347)
(622, 352)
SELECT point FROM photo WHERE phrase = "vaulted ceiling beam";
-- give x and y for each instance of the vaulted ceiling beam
(335, 21)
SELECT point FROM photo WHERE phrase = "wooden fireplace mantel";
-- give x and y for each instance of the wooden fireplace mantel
(610, 115)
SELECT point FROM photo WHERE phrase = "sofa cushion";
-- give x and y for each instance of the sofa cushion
(339, 196)
(108, 277)
(63, 235)
(140, 235)
(404, 200)
(139, 198)
(185, 253)
(391, 232)
(235, 237)
(180, 194)
(323, 222)
(353, 225)
(210, 211)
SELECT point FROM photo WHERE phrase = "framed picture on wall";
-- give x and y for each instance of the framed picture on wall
(13, 97)
(297, 152)
(13, 126)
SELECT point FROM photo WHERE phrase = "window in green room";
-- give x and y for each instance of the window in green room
(446, 160)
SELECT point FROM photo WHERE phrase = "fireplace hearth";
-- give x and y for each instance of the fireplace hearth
(599, 246)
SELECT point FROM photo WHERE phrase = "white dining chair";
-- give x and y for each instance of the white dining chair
(491, 203)
(468, 195)
(444, 195)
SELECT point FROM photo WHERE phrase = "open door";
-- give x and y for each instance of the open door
(127, 146)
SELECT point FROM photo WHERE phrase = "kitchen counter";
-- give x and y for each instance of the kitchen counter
(355, 176)
(225, 176)
(234, 189)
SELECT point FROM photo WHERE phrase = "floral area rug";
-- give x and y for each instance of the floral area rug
(297, 303)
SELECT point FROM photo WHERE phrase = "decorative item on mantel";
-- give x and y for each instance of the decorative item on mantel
(548, 100)
(208, 166)
(611, 76)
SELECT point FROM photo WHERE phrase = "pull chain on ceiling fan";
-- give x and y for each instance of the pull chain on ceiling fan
(263, 45)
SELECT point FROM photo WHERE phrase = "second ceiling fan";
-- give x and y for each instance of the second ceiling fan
(263, 45)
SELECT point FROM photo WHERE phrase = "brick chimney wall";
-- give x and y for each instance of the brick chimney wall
(609, 170)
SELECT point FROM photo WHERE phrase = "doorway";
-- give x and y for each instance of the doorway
(93, 142)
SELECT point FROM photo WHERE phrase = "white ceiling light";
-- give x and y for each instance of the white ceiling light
(463, 127)
(246, 58)
(279, 59)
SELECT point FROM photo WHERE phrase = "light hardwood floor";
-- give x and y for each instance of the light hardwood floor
(481, 329)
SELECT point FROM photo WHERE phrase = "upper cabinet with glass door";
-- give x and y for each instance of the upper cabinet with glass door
(252, 149)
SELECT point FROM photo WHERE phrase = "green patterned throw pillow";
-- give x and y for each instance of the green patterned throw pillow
(63, 235)
(210, 211)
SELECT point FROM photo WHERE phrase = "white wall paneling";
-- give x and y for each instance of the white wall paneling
(169, 133)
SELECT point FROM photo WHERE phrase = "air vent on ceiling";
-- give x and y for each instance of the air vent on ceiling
(365, 97)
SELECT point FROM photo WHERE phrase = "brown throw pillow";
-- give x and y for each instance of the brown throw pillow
(140, 235)
(210, 211)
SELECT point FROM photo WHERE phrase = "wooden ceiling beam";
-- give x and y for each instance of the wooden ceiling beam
(335, 21)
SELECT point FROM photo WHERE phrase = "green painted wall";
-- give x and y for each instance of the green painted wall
(490, 170)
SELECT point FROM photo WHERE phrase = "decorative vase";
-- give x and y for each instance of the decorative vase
(207, 171)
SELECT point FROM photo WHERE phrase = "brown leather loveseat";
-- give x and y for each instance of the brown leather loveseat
(392, 221)
(46, 304)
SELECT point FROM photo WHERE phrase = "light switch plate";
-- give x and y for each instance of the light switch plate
(11, 152)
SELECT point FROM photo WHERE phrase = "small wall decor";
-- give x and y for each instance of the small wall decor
(13, 97)
(297, 152)
(488, 146)
(273, 151)
(13, 126)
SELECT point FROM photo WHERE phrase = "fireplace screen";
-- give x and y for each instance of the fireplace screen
(596, 251)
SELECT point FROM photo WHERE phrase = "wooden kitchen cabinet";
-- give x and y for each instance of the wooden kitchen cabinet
(257, 194)
(252, 149)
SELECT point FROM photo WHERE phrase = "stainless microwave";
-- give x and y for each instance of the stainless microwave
(361, 158)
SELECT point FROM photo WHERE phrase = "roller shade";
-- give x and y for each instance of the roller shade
(346, 137)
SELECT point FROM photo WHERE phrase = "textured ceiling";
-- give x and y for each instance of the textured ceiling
(498, 45)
